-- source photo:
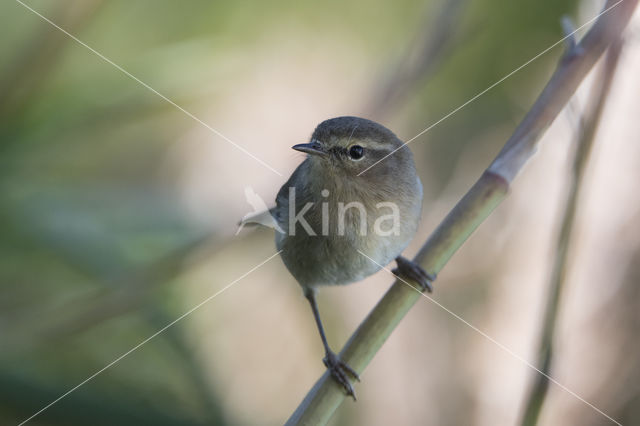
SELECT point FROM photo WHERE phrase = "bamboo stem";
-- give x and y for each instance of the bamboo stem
(326, 396)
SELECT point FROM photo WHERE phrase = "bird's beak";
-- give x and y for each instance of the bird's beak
(313, 148)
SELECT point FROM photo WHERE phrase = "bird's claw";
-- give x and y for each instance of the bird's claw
(412, 271)
(340, 371)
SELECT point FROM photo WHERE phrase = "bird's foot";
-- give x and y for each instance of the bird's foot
(340, 371)
(410, 270)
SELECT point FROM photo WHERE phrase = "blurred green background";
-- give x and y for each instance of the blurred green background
(118, 212)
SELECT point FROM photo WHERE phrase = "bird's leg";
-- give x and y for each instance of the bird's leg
(410, 270)
(339, 370)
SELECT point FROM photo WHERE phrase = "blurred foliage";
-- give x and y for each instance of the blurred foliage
(89, 209)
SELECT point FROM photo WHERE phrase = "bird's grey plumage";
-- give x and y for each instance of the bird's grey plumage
(334, 258)
(349, 164)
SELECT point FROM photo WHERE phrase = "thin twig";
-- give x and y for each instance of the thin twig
(585, 139)
(326, 395)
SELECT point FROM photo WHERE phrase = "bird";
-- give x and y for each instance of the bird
(350, 208)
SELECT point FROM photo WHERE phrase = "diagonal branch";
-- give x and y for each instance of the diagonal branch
(492, 187)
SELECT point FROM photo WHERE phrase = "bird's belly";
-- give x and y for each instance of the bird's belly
(352, 245)
(335, 260)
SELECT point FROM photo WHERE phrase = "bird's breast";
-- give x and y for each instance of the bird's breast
(345, 234)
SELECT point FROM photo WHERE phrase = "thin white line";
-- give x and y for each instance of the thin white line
(354, 129)
(128, 74)
(148, 339)
(500, 345)
(494, 85)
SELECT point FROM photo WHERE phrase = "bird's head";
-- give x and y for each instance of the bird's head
(357, 146)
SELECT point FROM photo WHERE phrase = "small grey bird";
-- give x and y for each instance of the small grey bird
(329, 212)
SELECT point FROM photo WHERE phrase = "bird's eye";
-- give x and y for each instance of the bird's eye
(356, 152)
